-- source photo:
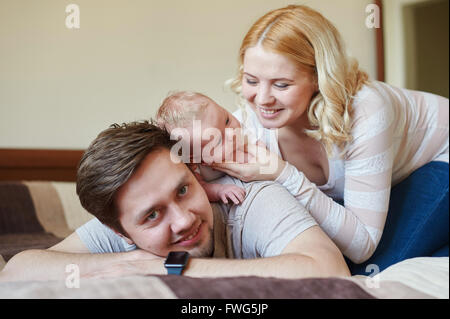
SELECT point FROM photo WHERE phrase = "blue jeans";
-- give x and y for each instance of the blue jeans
(417, 220)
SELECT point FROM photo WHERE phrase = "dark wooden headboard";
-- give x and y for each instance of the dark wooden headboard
(39, 164)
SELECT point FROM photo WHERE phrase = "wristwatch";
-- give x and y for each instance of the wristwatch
(176, 261)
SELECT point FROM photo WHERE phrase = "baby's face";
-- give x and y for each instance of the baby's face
(217, 127)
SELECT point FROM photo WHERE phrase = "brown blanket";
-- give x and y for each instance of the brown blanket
(171, 286)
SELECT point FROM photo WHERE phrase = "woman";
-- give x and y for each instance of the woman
(365, 158)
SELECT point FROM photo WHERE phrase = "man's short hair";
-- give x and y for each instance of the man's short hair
(110, 161)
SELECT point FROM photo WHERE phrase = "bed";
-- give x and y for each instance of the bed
(39, 207)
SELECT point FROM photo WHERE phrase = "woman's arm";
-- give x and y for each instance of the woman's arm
(258, 163)
(356, 228)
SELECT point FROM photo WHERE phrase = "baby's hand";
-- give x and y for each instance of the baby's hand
(232, 192)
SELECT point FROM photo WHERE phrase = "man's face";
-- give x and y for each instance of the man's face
(163, 208)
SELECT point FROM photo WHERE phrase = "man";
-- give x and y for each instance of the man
(129, 181)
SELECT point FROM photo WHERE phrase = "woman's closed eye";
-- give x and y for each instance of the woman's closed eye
(281, 85)
(251, 81)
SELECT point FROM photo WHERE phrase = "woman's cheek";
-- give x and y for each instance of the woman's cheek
(248, 92)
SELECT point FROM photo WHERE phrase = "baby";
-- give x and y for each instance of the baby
(203, 118)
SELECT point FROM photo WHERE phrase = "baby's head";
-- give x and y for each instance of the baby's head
(181, 109)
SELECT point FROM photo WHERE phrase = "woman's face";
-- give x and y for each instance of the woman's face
(276, 89)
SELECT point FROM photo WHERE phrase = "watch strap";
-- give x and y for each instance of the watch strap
(175, 262)
(174, 270)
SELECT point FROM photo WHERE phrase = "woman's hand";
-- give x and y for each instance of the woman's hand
(254, 162)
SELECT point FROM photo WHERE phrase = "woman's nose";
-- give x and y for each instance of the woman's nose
(264, 95)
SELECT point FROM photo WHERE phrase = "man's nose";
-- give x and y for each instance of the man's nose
(264, 95)
(181, 219)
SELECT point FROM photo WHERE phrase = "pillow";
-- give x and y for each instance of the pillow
(37, 215)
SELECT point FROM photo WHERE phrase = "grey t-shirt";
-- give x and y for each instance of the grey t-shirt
(268, 219)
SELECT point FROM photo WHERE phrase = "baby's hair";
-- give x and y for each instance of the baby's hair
(179, 108)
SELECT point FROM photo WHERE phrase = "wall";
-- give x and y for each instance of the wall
(60, 87)
(416, 38)
(427, 46)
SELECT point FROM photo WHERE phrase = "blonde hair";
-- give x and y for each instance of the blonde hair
(179, 108)
(312, 42)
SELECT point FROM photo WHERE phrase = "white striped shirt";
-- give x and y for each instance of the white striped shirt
(395, 131)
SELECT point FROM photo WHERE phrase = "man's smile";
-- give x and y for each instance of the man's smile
(191, 237)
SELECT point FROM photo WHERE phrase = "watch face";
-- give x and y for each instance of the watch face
(176, 258)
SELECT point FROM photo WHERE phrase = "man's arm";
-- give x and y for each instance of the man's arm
(275, 226)
(310, 254)
(272, 224)
(51, 264)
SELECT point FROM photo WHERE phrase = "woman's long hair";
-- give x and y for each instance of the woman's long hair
(312, 42)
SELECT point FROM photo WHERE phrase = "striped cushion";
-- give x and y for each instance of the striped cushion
(37, 215)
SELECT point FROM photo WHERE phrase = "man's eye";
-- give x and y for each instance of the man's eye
(153, 215)
(183, 190)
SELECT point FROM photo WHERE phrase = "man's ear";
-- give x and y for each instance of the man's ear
(128, 240)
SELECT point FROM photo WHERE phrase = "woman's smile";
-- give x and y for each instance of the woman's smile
(269, 113)
(279, 94)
